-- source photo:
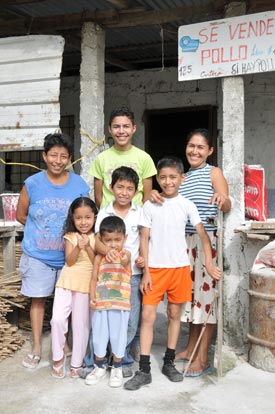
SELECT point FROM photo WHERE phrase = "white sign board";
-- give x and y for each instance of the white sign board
(228, 47)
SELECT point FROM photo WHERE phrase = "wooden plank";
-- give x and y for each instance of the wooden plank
(29, 90)
(258, 236)
(24, 139)
(29, 93)
(264, 225)
(33, 70)
(119, 4)
(22, 116)
(34, 47)
(110, 18)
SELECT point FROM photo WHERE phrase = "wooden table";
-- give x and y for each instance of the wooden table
(261, 230)
(8, 233)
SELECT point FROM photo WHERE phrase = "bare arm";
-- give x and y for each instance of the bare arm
(144, 248)
(98, 188)
(23, 206)
(212, 270)
(93, 283)
(71, 252)
(111, 254)
(221, 195)
(125, 257)
(90, 251)
(147, 187)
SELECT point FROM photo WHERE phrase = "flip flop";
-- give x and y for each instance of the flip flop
(31, 361)
(75, 372)
(60, 371)
(206, 370)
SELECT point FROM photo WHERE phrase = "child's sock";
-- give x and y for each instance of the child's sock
(117, 364)
(169, 355)
(100, 363)
(144, 364)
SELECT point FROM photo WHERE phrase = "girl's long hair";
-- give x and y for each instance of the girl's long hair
(69, 225)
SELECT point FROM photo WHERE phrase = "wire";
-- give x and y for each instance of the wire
(82, 132)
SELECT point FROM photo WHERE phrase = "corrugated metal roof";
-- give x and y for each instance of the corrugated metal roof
(141, 46)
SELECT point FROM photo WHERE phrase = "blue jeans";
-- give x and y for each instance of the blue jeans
(89, 358)
(134, 319)
(133, 324)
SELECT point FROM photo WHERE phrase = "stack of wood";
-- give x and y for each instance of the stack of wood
(10, 339)
(10, 298)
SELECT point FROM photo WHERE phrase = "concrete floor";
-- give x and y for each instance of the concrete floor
(243, 389)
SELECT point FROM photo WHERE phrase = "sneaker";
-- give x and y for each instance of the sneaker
(171, 372)
(127, 372)
(95, 376)
(139, 379)
(116, 378)
(84, 372)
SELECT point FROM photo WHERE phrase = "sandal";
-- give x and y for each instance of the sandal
(60, 371)
(31, 361)
(75, 372)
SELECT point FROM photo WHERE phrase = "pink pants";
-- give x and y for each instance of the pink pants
(67, 302)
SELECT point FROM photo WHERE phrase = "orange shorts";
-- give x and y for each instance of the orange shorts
(176, 282)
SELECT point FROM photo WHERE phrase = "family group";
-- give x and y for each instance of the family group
(111, 261)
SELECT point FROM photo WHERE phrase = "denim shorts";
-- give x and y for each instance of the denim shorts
(38, 279)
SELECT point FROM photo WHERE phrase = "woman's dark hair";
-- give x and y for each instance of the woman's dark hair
(170, 162)
(69, 225)
(204, 133)
(112, 224)
(125, 173)
(58, 140)
(122, 112)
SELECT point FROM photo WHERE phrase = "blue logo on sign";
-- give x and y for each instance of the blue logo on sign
(189, 45)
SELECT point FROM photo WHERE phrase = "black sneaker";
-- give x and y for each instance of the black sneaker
(171, 372)
(139, 379)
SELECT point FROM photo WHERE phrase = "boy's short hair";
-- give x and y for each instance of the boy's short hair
(170, 162)
(122, 112)
(58, 140)
(112, 224)
(125, 173)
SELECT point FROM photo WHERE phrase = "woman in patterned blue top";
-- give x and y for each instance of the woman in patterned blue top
(42, 207)
(207, 187)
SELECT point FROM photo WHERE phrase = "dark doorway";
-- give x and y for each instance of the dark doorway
(166, 130)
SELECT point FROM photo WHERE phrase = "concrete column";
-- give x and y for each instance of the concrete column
(92, 82)
(235, 295)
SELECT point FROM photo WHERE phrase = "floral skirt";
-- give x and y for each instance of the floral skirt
(203, 290)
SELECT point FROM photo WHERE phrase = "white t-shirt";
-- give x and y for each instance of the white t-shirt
(167, 244)
(131, 221)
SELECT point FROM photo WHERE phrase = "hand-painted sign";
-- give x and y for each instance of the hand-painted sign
(228, 47)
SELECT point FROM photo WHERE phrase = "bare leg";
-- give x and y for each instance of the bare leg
(200, 361)
(194, 332)
(37, 312)
(147, 328)
(173, 313)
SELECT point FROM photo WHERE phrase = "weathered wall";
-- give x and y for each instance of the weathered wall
(154, 89)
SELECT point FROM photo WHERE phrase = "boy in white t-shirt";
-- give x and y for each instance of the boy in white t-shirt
(167, 270)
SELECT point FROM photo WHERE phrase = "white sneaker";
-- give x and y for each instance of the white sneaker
(116, 377)
(95, 376)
